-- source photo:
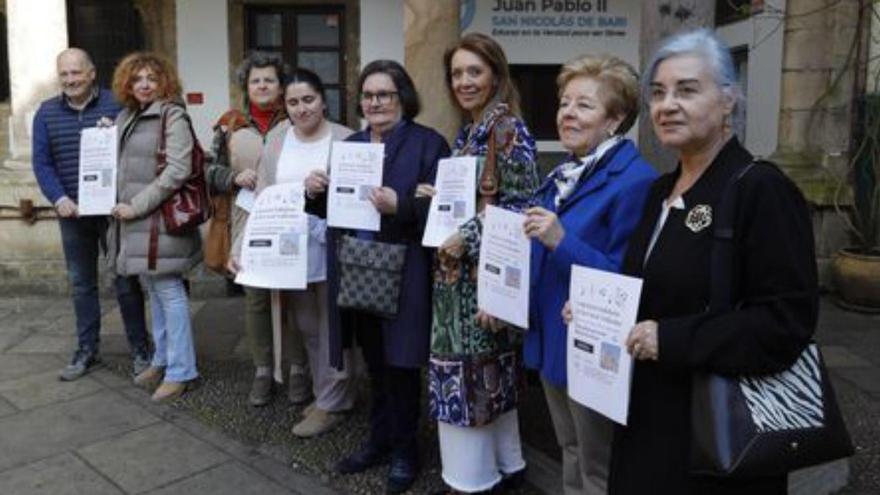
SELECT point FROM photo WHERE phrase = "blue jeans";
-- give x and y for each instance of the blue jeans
(81, 239)
(172, 327)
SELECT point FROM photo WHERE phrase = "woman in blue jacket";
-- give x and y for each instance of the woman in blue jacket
(586, 209)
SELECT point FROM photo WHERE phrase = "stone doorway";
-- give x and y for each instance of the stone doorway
(307, 36)
(107, 29)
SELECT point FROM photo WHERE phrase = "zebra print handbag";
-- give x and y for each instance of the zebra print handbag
(752, 426)
(762, 425)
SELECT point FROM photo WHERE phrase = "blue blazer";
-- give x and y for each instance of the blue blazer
(598, 218)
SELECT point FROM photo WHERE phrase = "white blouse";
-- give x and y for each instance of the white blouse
(297, 159)
(678, 204)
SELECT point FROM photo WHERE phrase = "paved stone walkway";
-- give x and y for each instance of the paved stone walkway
(101, 435)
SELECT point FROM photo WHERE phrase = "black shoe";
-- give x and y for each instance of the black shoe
(510, 481)
(261, 391)
(402, 474)
(81, 363)
(362, 459)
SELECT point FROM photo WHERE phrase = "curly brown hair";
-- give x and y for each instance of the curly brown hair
(125, 72)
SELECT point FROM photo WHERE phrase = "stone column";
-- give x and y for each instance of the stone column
(30, 254)
(37, 32)
(430, 26)
(660, 18)
(819, 82)
(818, 75)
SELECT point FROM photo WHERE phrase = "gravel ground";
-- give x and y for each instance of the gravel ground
(221, 402)
(862, 415)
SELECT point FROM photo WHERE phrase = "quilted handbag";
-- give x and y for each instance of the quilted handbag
(370, 275)
(761, 425)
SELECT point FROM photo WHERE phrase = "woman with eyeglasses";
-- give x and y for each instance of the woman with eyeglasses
(395, 349)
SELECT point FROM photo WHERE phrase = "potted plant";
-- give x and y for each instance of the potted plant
(856, 269)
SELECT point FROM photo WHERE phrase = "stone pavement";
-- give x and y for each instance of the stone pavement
(102, 435)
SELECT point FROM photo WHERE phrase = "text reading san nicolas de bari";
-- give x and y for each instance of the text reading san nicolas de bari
(558, 20)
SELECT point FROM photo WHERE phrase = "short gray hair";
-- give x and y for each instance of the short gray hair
(260, 60)
(705, 44)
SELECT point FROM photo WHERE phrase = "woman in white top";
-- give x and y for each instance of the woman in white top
(293, 149)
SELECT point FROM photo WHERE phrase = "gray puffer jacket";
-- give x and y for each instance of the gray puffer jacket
(138, 185)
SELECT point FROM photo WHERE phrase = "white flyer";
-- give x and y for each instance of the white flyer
(274, 253)
(604, 306)
(455, 201)
(97, 171)
(355, 170)
(245, 199)
(503, 274)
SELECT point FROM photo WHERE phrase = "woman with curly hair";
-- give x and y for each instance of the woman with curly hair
(239, 136)
(147, 86)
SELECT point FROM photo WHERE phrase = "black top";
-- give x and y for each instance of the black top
(777, 307)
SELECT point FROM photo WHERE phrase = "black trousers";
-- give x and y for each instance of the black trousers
(395, 392)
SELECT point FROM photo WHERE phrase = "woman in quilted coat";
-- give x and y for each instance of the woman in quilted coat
(147, 86)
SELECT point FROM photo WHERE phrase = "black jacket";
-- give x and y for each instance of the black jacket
(775, 286)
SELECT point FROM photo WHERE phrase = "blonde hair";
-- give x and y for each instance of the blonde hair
(618, 85)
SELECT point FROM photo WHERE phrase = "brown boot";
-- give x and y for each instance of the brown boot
(150, 377)
(318, 421)
(169, 391)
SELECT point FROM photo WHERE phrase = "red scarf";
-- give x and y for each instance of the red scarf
(263, 117)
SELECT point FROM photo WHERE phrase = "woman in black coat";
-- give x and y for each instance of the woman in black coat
(693, 93)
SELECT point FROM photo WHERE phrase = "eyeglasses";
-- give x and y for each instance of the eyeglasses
(383, 97)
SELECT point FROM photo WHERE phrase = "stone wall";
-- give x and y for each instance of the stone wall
(820, 79)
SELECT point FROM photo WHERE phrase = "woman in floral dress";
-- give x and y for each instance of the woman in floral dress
(475, 371)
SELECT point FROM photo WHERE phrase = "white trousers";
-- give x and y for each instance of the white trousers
(475, 458)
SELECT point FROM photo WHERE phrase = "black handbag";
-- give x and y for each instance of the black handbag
(370, 275)
(760, 425)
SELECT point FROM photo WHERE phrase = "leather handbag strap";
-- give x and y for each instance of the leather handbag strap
(153, 251)
(161, 154)
(722, 257)
(161, 162)
(489, 181)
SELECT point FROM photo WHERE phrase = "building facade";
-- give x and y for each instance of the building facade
(791, 55)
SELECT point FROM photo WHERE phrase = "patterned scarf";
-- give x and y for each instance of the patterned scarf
(567, 174)
(473, 138)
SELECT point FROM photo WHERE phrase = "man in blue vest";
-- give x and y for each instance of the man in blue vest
(56, 140)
